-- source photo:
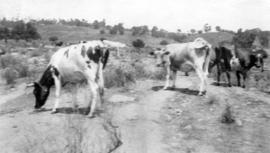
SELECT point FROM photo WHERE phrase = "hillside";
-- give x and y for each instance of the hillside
(75, 34)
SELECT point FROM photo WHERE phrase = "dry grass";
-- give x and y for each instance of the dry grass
(14, 67)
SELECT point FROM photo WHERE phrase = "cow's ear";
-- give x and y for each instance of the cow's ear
(36, 84)
(30, 85)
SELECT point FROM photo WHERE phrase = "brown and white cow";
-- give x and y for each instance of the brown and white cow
(84, 61)
(173, 56)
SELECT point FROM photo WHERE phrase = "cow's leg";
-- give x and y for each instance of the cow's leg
(244, 73)
(238, 78)
(57, 83)
(74, 96)
(201, 75)
(229, 78)
(95, 95)
(168, 74)
(262, 64)
(100, 81)
(174, 72)
(218, 75)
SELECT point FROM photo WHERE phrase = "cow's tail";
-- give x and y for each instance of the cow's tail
(105, 58)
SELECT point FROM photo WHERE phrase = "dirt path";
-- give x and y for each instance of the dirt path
(180, 121)
(173, 121)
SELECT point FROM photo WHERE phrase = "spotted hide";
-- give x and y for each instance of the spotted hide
(84, 61)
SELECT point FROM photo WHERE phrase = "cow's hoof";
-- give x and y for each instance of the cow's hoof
(90, 115)
(166, 88)
(201, 93)
(54, 111)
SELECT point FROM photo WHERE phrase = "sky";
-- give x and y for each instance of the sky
(167, 14)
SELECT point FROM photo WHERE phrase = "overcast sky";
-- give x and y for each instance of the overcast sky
(167, 14)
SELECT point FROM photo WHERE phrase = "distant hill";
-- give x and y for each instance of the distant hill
(75, 34)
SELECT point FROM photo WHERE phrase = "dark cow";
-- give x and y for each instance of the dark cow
(238, 60)
(221, 60)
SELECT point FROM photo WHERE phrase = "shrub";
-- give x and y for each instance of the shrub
(119, 76)
(138, 43)
(9, 74)
(102, 31)
(53, 39)
(164, 42)
(14, 63)
(35, 53)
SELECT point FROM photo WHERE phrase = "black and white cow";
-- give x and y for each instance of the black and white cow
(74, 63)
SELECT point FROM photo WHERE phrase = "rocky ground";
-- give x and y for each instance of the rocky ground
(141, 118)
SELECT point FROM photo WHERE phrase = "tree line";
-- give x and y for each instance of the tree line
(18, 30)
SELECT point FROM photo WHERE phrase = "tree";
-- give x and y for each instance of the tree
(200, 31)
(193, 31)
(113, 30)
(138, 43)
(4, 33)
(31, 32)
(96, 24)
(207, 28)
(179, 30)
(102, 31)
(218, 28)
(121, 28)
(18, 31)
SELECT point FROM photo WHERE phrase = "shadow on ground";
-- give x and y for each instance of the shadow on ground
(182, 90)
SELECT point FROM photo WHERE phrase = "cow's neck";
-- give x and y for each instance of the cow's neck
(47, 79)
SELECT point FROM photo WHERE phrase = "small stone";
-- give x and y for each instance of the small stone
(239, 122)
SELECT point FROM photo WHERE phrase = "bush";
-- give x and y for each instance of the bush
(102, 31)
(9, 74)
(164, 42)
(138, 43)
(14, 64)
(119, 76)
(53, 39)
(35, 53)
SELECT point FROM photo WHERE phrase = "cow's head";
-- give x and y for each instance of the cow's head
(41, 94)
(258, 56)
(161, 56)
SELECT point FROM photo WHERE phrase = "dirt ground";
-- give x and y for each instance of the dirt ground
(160, 121)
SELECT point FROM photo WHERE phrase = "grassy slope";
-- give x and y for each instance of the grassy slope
(75, 34)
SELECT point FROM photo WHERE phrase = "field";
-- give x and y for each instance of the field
(137, 116)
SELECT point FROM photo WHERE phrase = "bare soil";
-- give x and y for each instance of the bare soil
(162, 120)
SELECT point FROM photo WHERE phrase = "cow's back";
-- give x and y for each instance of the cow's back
(181, 53)
(70, 63)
